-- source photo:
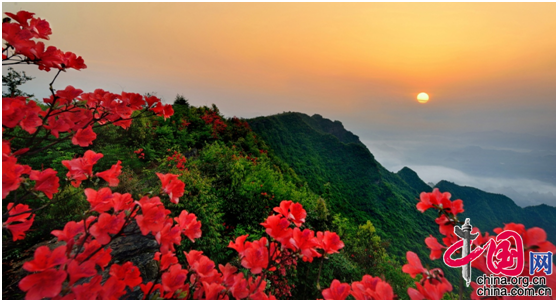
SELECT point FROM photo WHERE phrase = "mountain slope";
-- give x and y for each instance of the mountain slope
(348, 177)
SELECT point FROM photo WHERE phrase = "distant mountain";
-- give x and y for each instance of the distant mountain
(488, 210)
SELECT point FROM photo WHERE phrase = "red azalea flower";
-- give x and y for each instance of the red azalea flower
(336, 291)
(434, 246)
(213, 290)
(107, 224)
(414, 266)
(278, 228)
(17, 37)
(371, 288)
(173, 186)
(168, 236)
(165, 111)
(18, 223)
(166, 260)
(111, 175)
(39, 28)
(84, 137)
(193, 258)
(153, 216)
(78, 270)
(128, 273)
(150, 100)
(255, 256)
(298, 214)
(434, 199)
(122, 201)
(429, 291)
(283, 208)
(112, 289)
(535, 239)
(71, 60)
(145, 288)
(81, 168)
(228, 274)
(238, 245)
(239, 288)
(456, 207)
(330, 242)
(189, 226)
(101, 201)
(101, 257)
(21, 17)
(11, 174)
(174, 278)
(71, 229)
(46, 181)
(56, 125)
(205, 268)
(13, 110)
(31, 120)
(49, 58)
(306, 243)
(446, 227)
(45, 259)
(45, 284)
(88, 291)
(67, 95)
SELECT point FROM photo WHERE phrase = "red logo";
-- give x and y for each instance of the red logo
(504, 255)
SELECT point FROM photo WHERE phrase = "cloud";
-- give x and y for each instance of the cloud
(524, 192)
(525, 173)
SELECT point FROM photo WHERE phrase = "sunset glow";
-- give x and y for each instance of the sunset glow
(360, 63)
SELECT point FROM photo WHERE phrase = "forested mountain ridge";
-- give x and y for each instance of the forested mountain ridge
(348, 177)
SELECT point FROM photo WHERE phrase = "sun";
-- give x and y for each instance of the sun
(422, 97)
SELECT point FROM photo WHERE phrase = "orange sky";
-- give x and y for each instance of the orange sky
(356, 62)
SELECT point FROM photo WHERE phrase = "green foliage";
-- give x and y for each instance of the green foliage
(233, 179)
(12, 80)
(180, 101)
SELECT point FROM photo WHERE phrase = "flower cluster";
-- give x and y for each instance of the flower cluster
(213, 118)
(139, 153)
(369, 288)
(240, 123)
(253, 159)
(183, 124)
(56, 273)
(534, 239)
(177, 158)
(71, 270)
(172, 186)
(432, 286)
(69, 114)
(74, 112)
(19, 39)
